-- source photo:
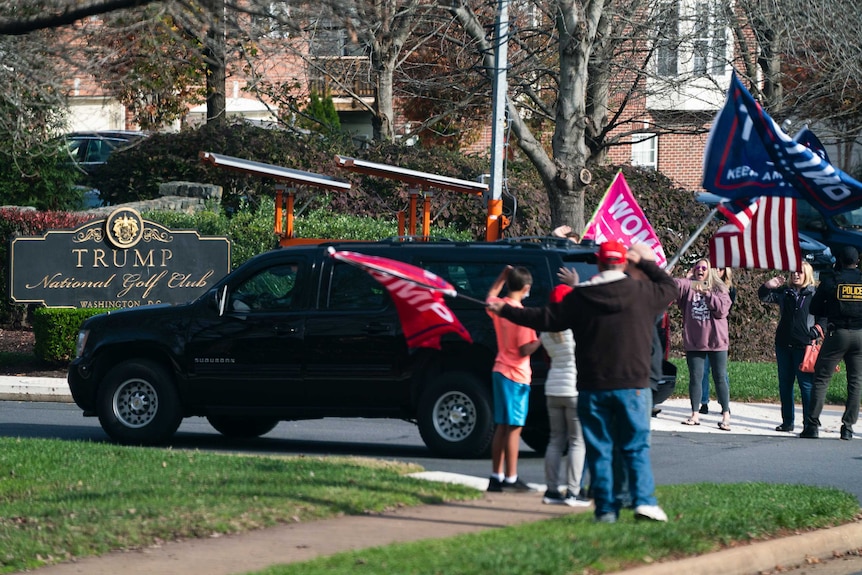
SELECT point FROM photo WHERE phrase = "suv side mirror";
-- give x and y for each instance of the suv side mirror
(220, 299)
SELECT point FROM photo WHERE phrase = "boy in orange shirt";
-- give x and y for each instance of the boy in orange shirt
(511, 378)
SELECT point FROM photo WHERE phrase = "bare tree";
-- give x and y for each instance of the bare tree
(75, 20)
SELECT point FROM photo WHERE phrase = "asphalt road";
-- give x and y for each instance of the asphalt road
(679, 456)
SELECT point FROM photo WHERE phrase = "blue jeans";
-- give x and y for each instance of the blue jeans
(618, 418)
(788, 359)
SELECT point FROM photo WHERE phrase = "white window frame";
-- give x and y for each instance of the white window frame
(645, 150)
(696, 42)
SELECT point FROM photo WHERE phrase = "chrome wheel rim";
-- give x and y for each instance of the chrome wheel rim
(454, 416)
(135, 403)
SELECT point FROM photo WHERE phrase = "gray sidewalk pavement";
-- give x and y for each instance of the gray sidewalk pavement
(810, 553)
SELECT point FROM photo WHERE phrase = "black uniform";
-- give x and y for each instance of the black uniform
(839, 298)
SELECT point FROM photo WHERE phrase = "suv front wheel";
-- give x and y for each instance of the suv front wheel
(455, 416)
(138, 404)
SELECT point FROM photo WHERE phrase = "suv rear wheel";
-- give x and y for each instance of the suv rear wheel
(138, 404)
(455, 416)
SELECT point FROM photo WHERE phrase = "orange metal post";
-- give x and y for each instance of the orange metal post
(279, 214)
(401, 223)
(288, 228)
(426, 216)
(494, 222)
(411, 221)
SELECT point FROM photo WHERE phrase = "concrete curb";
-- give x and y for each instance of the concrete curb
(766, 556)
(23, 388)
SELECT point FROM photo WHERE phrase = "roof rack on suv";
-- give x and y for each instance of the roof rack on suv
(399, 239)
(549, 241)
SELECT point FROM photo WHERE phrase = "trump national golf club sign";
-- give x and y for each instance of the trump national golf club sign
(120, 261)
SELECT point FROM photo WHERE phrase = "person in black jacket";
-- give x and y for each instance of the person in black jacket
(795, 330)
(839, 298)
(612, 317)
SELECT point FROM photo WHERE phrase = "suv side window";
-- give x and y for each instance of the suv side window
(272, 289)
(474, 279)
(351, 288)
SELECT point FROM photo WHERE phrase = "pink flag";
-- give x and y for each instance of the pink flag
(418, 298)
(619, 217)
(769, 242)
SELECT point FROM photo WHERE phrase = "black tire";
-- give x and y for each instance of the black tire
(241, 427)
(455, 416)
(537, 437)
(138, 404)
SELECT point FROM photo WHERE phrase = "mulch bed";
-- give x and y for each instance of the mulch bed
(20, 359)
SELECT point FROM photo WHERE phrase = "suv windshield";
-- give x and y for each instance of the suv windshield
(810, 219)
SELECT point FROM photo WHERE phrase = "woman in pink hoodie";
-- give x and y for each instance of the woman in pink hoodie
(705, 303)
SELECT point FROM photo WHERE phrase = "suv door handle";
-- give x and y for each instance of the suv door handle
(285, 329)
(376, 327)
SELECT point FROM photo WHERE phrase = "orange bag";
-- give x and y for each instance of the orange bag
(812, 350)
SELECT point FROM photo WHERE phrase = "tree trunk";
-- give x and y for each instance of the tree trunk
(214, 56)
(383, 121)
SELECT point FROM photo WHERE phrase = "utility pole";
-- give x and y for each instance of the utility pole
(494, 224)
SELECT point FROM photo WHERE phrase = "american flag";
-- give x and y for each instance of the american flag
(769, 242)
(739, 212)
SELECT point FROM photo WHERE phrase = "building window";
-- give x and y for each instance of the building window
(709, 40)
(692, 38)
(328, 40)
(645, 150)
(274, 22)
(668, 39)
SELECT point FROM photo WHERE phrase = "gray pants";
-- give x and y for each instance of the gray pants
(718, 365)
(839, 344)
(565, 431)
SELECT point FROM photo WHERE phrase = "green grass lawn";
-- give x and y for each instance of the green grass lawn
(703, 518)
(62, 499)
(758, 382)
(66, 499)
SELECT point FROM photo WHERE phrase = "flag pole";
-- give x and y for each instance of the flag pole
(471, 299)
(672, 262)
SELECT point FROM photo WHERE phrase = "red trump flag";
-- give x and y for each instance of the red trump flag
(418, 297)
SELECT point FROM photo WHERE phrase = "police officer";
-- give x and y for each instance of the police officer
(839, 298)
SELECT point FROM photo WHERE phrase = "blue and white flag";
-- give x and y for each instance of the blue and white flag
(748, 155)
(807, 137)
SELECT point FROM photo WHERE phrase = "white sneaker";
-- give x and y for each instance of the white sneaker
(575, 501)
(651, 512)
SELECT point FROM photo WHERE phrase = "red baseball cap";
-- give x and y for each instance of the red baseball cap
(612, 252)
(559, 292)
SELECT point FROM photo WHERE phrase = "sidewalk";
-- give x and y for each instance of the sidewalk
(303, 541)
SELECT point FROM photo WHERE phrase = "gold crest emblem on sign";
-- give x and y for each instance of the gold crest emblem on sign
(124, 228)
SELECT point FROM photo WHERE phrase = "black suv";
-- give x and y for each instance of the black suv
(295, 334)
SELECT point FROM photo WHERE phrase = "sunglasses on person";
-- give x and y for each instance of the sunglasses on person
(698, 268)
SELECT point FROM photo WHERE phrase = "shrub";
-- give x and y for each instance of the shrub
(56, 331)
(26, 222)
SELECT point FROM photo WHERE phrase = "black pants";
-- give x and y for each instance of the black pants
(840, 344)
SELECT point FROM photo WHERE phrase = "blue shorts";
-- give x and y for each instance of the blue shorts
(511, 401)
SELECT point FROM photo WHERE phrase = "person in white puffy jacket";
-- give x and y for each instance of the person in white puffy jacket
(562, 400)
